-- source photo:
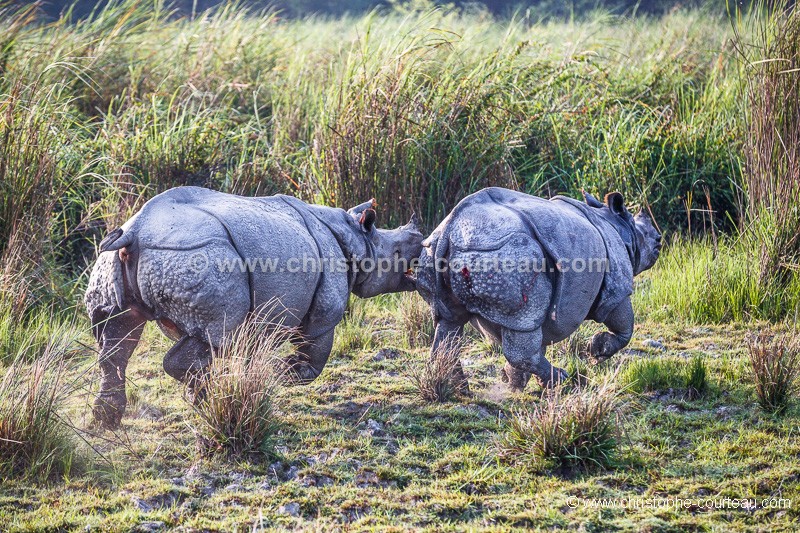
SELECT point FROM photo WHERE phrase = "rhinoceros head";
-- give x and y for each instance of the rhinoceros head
(649, 240)
(393, 254)
(638, 231)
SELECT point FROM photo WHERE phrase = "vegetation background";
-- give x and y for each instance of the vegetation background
(297, 8)
(416, 105)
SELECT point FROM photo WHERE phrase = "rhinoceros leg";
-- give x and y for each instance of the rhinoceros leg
(118, 333)
(491, 332)
(449, 336)
(620, 330)
(187, 360)
(311, 357)
(525, 353)
(516, 379)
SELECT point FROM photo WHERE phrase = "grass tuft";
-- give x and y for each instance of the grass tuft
(236, 411)
(774, 365)
(356, 331)
(565, 431)
(651, 374)
(439, 378)
(696, 378)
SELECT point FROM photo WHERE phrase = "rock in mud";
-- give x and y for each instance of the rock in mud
(290, 509)
(654, 344)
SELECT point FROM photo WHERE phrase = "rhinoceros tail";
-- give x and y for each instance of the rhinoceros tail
(117, 239)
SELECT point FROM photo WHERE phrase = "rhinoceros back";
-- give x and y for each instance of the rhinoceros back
(207, 259)
(523, 238)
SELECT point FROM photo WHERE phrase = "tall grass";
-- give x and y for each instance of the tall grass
(416, 109)
(698, 281)
(34, 439)
(415, 320)
(771, 54)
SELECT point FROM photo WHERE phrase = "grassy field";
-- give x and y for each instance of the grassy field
(358, 449)
(416, 108)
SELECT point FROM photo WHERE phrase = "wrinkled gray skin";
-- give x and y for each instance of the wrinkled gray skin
(162, 265)
(527, 310)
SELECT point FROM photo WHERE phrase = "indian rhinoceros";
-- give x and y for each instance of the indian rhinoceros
(199, 262)
(527, 272)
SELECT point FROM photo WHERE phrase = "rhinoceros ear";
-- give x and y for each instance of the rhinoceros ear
(616, 203)
(360, 208)
(591, 201)
(413, 224)
(367, 219)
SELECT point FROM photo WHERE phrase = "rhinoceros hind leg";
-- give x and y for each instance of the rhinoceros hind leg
(516, 379)
(620, 330)
(311, 357)
(186, 361)
(491, 332)
(118, 333)
(525, 353)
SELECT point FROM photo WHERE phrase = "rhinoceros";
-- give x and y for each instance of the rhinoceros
(199, 262)
(526, 272)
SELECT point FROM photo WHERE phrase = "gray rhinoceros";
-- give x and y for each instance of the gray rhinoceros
(198, 262)
(527, 271)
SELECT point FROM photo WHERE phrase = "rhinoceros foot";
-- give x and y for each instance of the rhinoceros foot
(516, 379)
(462, 383)
(196, 390)
(298, 373)
(108, 409)
(601, 347)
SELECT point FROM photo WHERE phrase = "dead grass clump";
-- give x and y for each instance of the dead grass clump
(35, 442)
(774, 366)
(440, 378)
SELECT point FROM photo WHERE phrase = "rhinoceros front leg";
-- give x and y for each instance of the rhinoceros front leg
(449, 336)
(186, 361)
(620, 330)
(525, 353)
(118, 333)
(310, 358)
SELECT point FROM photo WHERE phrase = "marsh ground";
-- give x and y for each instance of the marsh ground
(357, 449)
